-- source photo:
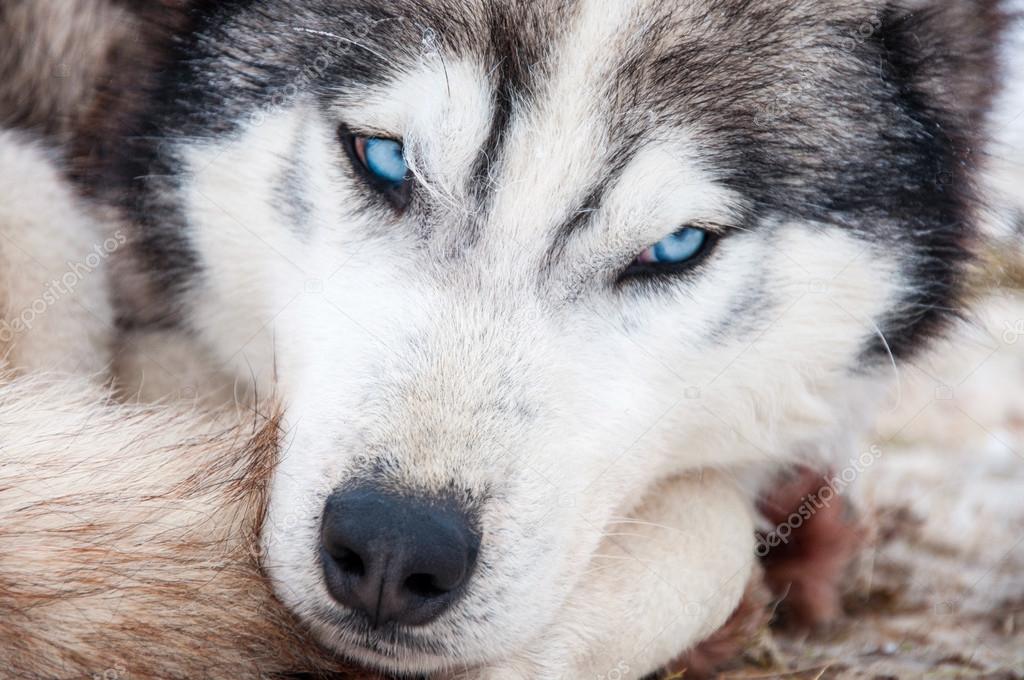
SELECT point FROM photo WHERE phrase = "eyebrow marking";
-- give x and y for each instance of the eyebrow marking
(582, 216)
(293, 202)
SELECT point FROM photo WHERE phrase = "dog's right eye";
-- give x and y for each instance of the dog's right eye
(384, 158)
(381, 162)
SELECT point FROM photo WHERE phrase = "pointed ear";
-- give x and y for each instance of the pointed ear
(944, 53)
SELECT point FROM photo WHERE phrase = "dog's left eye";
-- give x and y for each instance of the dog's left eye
(673, 254)
(680, 247)
(381, 162)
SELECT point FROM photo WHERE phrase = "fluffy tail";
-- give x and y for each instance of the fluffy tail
(128, 544)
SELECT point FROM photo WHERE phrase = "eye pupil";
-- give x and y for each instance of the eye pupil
(385, 159)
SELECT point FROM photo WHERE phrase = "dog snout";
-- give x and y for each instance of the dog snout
(396, 558)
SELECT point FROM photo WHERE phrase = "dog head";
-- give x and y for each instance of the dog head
(510, 263)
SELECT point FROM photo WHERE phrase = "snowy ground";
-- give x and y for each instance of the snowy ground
(940, 593)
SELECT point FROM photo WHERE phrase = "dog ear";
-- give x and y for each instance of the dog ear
(134, 50)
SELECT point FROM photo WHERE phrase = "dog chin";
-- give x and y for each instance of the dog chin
(381, 652)
(403, 663)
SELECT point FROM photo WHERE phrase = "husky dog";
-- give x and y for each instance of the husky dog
(514, 266)
(522, 271)
(136, 529)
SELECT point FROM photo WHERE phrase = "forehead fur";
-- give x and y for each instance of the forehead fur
(786, 94)
(807, 110)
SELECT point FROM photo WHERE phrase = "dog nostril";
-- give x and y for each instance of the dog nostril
(349, 562)
(425, 586)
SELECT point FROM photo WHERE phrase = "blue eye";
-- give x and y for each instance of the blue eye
(680, 247)
(383, 158)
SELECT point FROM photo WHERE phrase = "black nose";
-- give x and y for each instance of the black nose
(394, 557)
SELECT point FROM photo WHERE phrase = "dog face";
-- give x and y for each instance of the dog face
(524, 259)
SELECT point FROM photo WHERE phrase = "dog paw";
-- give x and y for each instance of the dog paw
(806, 559)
